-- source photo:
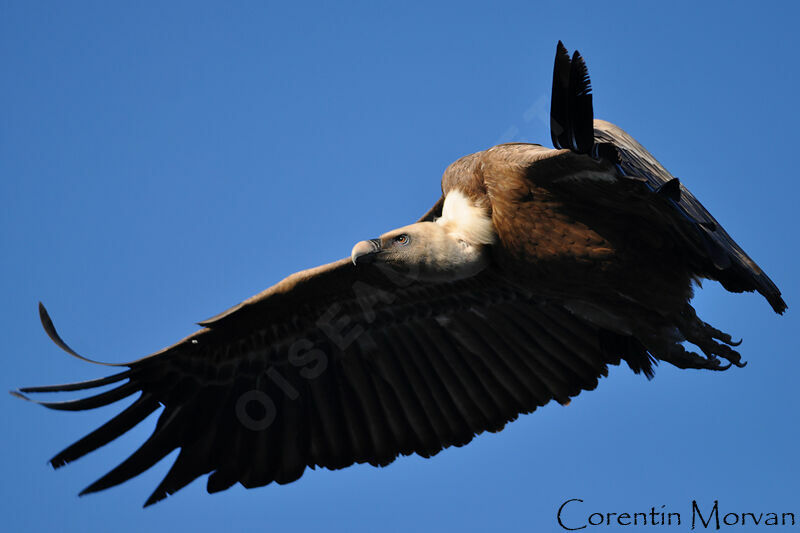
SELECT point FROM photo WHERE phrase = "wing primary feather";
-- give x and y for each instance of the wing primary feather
(580, 106)
(79, 385)
(156, 447)
(196, 445)
(120, 424)
(181, 473)
(50, 329)
(98, 400)
(559, 99)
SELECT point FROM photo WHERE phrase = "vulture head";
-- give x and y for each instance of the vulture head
(452, 247)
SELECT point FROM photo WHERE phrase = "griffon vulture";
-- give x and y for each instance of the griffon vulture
(535, 270)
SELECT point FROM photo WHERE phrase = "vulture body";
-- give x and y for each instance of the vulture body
(535, 270)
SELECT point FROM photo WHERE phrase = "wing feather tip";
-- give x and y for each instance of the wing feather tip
(47, 322)
(97, 486)
(50, 329)
(218, 483)
(57, 462)
(581, 108)
(18, 394)
(154, 498)
(777, 303)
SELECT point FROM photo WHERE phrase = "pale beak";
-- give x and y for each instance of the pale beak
(365, 251)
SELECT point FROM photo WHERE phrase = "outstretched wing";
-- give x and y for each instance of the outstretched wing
(713, 253)
(339, 365)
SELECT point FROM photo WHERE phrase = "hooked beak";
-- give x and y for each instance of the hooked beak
(365, 251)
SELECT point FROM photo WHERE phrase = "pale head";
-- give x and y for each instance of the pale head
(455, 246)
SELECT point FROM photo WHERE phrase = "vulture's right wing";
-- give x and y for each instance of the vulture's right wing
(340, 365)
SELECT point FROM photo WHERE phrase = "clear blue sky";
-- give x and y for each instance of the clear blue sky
(160, 163)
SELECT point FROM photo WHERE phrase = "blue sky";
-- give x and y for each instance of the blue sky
(160, 163)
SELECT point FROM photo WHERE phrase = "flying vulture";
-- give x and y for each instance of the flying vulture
(535, 270)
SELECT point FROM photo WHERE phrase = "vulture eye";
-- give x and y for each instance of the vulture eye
(402, 239)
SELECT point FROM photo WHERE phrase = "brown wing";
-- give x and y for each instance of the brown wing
(340, 365)
(653, 205)
(617, 226)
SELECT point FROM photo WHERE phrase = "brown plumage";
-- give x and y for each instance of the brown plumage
(535, 270)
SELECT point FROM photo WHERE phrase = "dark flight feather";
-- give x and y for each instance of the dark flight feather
(560, 101)
(581, 113)
(120, 424)
(80, 385)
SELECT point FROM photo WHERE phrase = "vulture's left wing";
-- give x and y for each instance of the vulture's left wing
(339, 365)
(638, 183)
(720, 256)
